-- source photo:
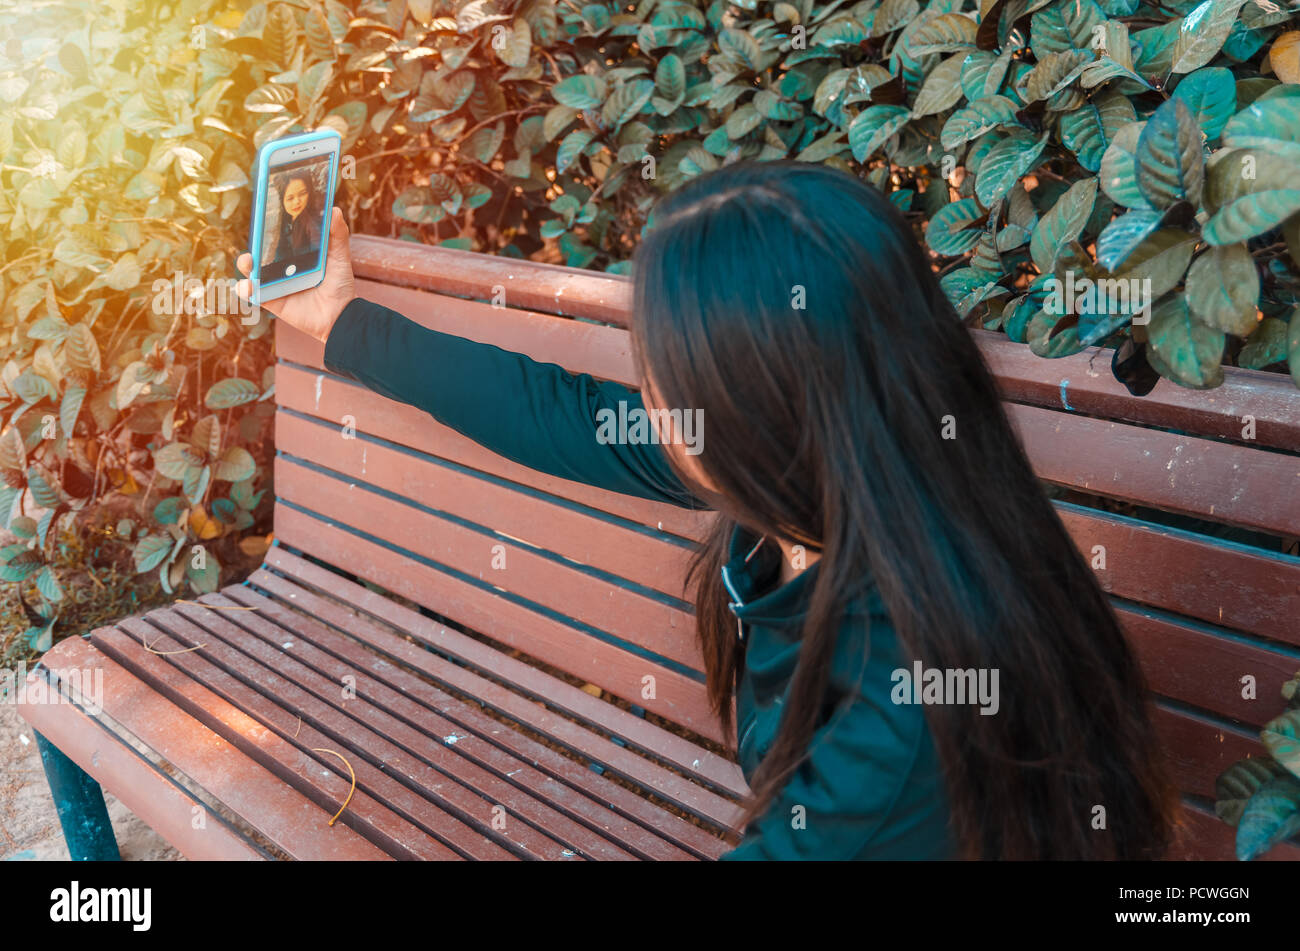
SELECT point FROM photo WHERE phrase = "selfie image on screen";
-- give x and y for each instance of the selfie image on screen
(295, 218)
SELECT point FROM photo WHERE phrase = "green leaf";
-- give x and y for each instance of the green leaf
(1062, 224)
(571, 148)
(280, 34)
(235, 465)
(518, 45)
(1119, 168)
(231, 392)
(1266, 346)
(579, 92)
(1201, 34)
(1270, 817)
(626, 101)
(670, 78)
(873, 127)
(949, 232)
(946, 33)
(1124, 235)
(44, 494)
(269, 98)
(150, 551)
(1045, 341)
(1223, 289)
(1251, 214)
(1267, 123)
(48, 585)
(1211, 97)
(1240, 781)
(981, 116)
(1169, 159)
(1053, 73)
(1161, 259)
(1191, 352)
(206, 579)
(1088, 130)
(1005, 163)
(941, 89)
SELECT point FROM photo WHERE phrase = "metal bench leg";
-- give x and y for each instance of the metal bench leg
(80, 802)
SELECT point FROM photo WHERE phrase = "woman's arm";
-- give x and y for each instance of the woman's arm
(536, 414)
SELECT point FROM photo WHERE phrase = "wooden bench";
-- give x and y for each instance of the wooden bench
(475, 639)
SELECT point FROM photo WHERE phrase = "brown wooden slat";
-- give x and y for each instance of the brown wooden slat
(456, 781)
(1204, 670)
(331, 398)
(142, 787)
(539, 770)
(1214, 480)
(678, 697)
(258, 797)
(512, 701)
(1024, 377)
(523, 678)
(666, 630)
(266, 733)
(1221, 584)
(1200, 749)
(1271, 398)
(544, 287)
(433, 801)
(646, 559)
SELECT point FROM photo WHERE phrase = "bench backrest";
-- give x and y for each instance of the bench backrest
(590, 583)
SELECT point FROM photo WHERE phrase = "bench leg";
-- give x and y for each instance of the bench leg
(80, 803)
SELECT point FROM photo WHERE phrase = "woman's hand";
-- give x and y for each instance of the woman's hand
(313, 311)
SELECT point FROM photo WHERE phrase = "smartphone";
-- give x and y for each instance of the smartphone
(293, 198)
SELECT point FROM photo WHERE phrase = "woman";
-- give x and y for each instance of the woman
(300, 224)
(876, 510)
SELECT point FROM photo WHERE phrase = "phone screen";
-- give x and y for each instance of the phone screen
(294, 217)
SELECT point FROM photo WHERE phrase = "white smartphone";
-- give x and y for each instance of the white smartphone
(293, 199)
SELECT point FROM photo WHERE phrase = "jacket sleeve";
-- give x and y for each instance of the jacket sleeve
(846, 800)
(536, 414)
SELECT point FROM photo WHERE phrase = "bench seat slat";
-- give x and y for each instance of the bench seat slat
(272, 735)
(432, 801)
(426, 759)
(525, 679)
(507, 752)
(145, 789)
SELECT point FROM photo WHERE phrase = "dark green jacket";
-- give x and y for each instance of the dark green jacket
(872, 786)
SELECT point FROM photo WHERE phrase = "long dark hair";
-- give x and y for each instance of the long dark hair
(866, 425)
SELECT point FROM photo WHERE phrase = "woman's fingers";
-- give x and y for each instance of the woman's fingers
(244, 263)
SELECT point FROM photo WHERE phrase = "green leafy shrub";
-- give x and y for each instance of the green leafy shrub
(1030, 141)
(1261, 795)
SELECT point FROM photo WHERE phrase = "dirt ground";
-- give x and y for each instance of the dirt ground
(29, 824)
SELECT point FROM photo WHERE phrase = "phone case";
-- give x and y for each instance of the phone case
(261, 182)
